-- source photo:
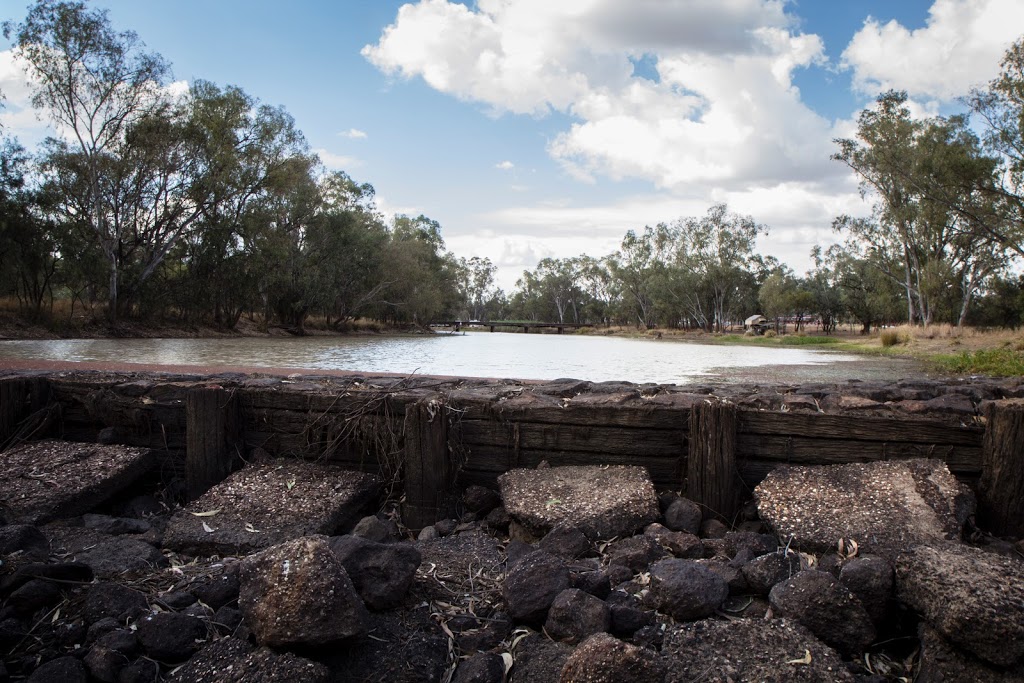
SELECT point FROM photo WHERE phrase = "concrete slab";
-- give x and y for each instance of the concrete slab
(263, 505)
(45, 480)
(601, 501)
(885, 507)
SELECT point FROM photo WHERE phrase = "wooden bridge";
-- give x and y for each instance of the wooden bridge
(457, 325)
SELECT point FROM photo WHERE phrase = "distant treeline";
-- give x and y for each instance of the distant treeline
(209, 205)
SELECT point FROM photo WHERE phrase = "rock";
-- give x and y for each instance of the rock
(298, 593)
(231, 660)
(602, 658)
(680, 543)
(481, 668)
(603, 502)
(498, 519)
(758, 544)
(713, 528)
(445, 527)
(49, 479)
(112, 600)
(532, 584)
(428, 533)
(565, 541)
(973, 598)
(871, 580)
(111, 558)
(765, 571)
(263, 505)
(100, 628)
(140, 671)
(636, 552)
(175, 600)
(380, 572)
(217, 591)
(22, 537)
(826, 608)
(404, 646)
(60, 670)
(627, 614)
(772, 651)
(883, 506)
(940, 662)
(227, 620)
(683, 514)
(732, 576)
(575, 615)
(480, 500)
(34, 595)
(538, 660)
(115, 526)
(685, 589)
(110, 654)
(11, 631)
(487, 635)
(375, 529)
(60, 572)
(595, 582)
(170, 637)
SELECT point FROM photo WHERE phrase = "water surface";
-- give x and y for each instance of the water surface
(482, 354)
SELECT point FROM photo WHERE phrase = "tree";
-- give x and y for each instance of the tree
(1001, 107)
(96, 85)
(927, 231)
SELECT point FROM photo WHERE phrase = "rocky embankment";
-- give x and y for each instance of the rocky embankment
(289, 571)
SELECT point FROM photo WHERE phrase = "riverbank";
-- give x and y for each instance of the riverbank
(942, 350)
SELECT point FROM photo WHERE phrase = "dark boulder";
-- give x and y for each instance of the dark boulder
(685, 589)
(532, 584)
(575, 615)
(170, 637)
(380, 572)
(602, 658)
(826, 608)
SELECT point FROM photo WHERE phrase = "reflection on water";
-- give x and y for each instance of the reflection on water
(481, 354)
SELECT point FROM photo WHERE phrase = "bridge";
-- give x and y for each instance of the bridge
(458, 325)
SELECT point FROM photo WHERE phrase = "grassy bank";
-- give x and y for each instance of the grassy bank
(948, 349)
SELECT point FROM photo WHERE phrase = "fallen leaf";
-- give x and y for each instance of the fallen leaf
(806, 659)
(207, 528)
(208, 513)
(507, 658)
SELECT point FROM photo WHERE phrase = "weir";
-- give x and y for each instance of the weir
(429, 437)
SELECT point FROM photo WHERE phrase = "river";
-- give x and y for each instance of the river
(482, 354)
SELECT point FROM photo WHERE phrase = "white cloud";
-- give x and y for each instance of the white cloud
(723, 109)
(959, 47)
(337, 162)
(353, 134)
(505, 165)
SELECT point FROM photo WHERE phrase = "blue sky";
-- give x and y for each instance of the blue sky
(530, 128)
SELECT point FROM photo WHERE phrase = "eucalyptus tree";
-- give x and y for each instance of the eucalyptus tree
(634, 270)
(716, 259)
(928, 229)
(1001, 107)
(96, 84)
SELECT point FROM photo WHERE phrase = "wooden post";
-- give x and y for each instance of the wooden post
(1001, 488)
(428, 468)
(213, 431)
(20, 400)
(712, 477)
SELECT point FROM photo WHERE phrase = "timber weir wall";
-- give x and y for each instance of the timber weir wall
(430, 437)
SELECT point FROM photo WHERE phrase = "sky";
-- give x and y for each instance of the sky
(534, 128)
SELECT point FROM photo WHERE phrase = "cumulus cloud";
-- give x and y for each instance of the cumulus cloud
(337, 162)
(722, 108)
(505, 165)
(959, 48)
(353, 134)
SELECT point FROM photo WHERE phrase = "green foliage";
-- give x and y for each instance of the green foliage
(992, 362)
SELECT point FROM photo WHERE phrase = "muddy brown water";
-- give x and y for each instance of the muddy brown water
(479, 354)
